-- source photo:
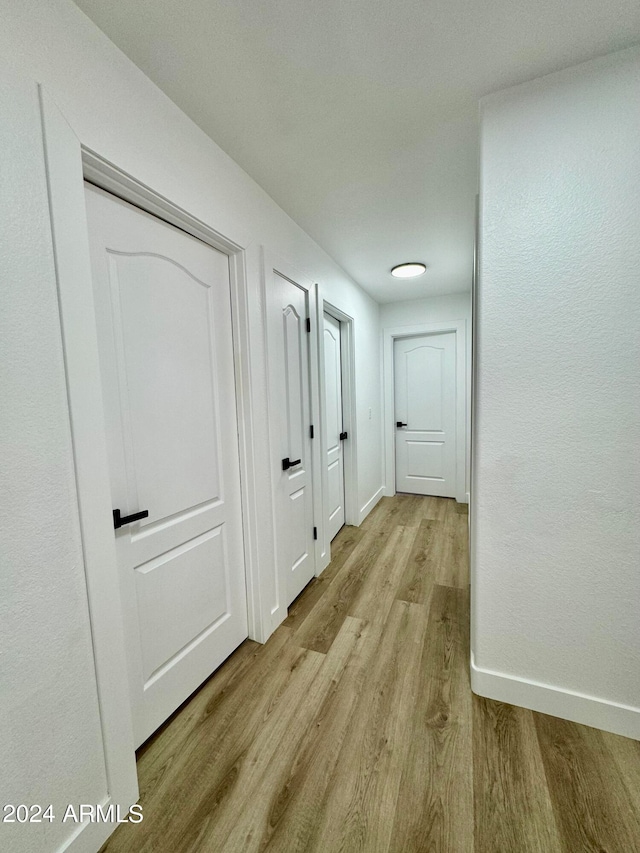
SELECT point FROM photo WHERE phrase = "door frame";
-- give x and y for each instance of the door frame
(390, 335)
(70, 242)
(271, 263)
(68, 163)
(100, 172)
(349, 421)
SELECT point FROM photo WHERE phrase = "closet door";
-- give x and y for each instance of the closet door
(334, 424)
(290, 403)
(425, 405)
(163, 314)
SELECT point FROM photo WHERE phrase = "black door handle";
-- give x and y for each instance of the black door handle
(119, 520)
(343, 436)
(289, 463)
(400, 424)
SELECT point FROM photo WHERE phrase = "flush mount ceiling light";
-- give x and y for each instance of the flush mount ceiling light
(410, 270)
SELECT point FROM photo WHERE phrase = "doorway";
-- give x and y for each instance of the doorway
(293, 389)
(335, 434)
(339, 425)
(425, 409)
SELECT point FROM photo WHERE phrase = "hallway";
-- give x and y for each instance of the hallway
(354, 728)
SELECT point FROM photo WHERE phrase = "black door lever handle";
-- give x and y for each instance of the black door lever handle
(289, 463)
(400, 424)
(120, 520)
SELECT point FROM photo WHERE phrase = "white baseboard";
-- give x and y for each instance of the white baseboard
(566, 704)
(89, 837)
(323, 561)
(366, 509)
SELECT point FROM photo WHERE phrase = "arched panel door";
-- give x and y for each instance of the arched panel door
(425, 410)
(290, 405)
(163, 316)
(333, 424)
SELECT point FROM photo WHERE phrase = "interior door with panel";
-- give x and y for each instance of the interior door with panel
(333, 421)
(290, 405)
(425, 407)
(163, 315)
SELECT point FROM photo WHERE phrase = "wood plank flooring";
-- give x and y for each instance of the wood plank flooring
(354, 728)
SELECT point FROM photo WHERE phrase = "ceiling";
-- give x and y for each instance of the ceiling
(359, 117)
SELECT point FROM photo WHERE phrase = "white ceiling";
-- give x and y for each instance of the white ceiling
(359, 117)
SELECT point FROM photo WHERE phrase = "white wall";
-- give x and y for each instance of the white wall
(556, 469)
(48, 692)
(437, 309)
(116, 111)
(51, 743)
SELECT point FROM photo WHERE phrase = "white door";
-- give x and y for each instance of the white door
(425, 407)
(333, 424)
(163, 315)
(290, 401)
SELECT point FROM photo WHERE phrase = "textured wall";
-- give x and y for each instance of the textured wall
(51, 744)
(556, 505)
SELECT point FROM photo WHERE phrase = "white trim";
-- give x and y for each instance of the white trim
(75, 298)
(271, 263)
(65, 162)
(366, 509)
(566, 704)
(389, 336)
(256, 564)
(109, 177)
(352, 513)
(320, 435)
(321, 559)
(472, 427)
(89, 837)
(103, 174)
(278, 609)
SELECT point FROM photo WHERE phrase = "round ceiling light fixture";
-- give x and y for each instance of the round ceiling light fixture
(408, 270)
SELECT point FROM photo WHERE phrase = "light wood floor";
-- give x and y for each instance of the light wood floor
(354, 728)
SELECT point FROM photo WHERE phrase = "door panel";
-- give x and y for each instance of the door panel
(180, 594)
(289, 391)
(163, 314)
(425, 458)
(299, 549)
(165, 363)
(425, 400)
(295, 367)
(333, 423)
(424, 366)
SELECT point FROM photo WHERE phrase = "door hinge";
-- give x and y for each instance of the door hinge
(311, 431)
(308, 324)
(315, 532)
(344, 436)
